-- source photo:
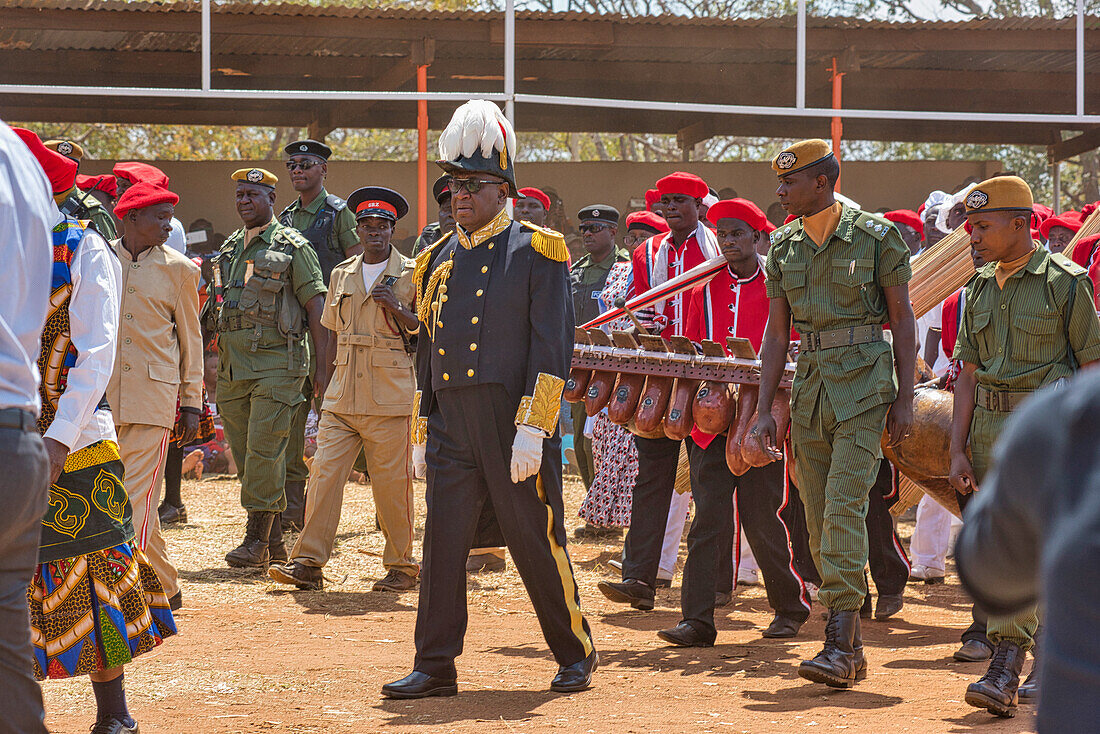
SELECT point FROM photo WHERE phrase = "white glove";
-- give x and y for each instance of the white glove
(526, 453)
(420, 464)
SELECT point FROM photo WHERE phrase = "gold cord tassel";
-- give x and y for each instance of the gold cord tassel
(548, 243)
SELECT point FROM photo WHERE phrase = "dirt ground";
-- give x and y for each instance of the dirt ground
(255, 657)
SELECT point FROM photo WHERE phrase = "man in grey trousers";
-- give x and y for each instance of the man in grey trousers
(26, 216)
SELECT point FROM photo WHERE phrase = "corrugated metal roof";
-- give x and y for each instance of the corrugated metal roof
(356, 10)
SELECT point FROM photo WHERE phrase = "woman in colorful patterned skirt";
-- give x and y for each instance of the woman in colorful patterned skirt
(607, 504)
(95, 602)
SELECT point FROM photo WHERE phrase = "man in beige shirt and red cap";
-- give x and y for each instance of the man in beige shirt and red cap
(159, 358)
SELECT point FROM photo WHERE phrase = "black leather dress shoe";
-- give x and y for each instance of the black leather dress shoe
(684, 635)
(637, 594)
(973, 651)
(575, 677)
(420, 685)
(1028, 692)
(888, 605)
(782, 628)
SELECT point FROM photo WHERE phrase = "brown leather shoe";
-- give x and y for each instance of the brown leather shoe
(996, 691)
(478, 562)
(395, 581)
(306, 578)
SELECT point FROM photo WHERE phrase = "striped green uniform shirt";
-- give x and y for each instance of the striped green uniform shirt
(837, 286)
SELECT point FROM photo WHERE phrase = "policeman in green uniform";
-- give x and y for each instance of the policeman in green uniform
(268, 296)
(840, 274)
(1028, 321)
(325, 220)
(599, 224)
(80, 204)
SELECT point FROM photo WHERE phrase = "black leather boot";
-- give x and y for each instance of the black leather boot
(275, 545)
(996, 691)
(840, 663)
(294, 516)
(253, 551)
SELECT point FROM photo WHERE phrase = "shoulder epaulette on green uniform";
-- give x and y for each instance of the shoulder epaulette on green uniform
(787, 230)
(1066, 264)
(290, 236)
(547, 242)
(873, 225)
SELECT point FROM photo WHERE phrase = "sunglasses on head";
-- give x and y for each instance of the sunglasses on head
(304, 165)
(585, 228)
(472, 185)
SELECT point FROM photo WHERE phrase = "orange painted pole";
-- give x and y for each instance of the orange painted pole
(837, 126)
(422, 150)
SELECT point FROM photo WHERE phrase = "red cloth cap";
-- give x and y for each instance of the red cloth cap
(136, 172)
(106, 183)
(59, 169)
(680, 182)
(742, 209)
(906, 216)
(1072, 223)
(1043, 211)
(141, 195)
(652, 196)
(1083, 249)
(768, 226)
(789, 218)
(646, 220)
(537, 195)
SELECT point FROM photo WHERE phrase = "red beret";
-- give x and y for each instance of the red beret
(136, 172)
(687, 184)
(537, 195)
(742, 209)
(1043, 211)
(1083, 249)
(906, 216)
(1068, 220)
(106, 183)
(59, 169)
(652, 196)
(789, 218)
(141, 195)
(647, 221)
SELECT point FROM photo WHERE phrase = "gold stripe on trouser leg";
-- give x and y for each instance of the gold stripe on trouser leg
(569, 584)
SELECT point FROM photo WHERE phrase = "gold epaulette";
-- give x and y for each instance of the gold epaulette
(423, 258)
(547, 242)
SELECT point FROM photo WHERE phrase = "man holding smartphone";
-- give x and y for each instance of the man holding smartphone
(369, 400)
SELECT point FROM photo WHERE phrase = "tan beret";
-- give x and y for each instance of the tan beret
(801, 155)
(67, 148)
(998, 194)
(255, 176)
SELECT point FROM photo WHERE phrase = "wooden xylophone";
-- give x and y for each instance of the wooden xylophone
(660, 388)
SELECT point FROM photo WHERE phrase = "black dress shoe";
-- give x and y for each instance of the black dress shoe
(973, 651)
(782, 628)
(661, 583)
(637, 594)
(172, 514)
(888, 605)
(175, 601)
(684, 635)
(575, 677)
(996, 690)
(420, 685)
(1028, 692)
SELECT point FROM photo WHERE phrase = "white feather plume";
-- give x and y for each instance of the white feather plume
(478, 123)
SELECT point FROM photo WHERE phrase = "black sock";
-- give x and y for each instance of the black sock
(110, 700)
(173, 470)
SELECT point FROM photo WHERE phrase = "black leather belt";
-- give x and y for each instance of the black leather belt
(1000, 401)
(812, 341)
(17, 418)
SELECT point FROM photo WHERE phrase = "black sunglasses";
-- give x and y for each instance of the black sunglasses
(472, 185)
(585, 228)
(304, 165)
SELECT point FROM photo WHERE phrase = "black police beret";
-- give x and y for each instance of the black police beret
(309, 147)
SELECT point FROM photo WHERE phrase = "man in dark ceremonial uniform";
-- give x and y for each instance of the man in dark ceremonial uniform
(495, 345)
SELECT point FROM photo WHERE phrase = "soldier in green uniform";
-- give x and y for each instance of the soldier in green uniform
(80, 204)
(1028, 321)
(267, 299)
(599, 224)
(839, 274)
(325, 220)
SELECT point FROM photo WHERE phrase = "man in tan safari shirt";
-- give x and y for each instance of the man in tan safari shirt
(158, 358)
(369, 399)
